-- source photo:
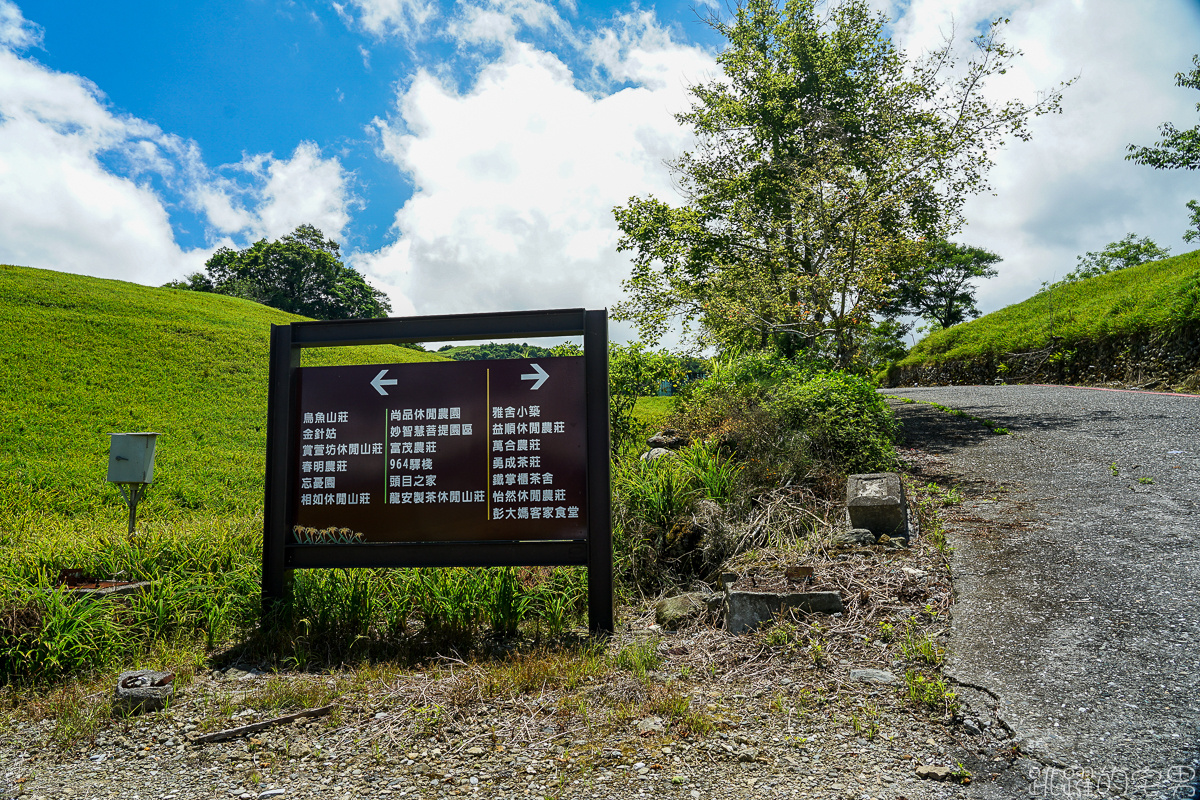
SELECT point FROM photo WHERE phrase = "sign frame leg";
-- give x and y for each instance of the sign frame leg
(283, 361)
(600, 559)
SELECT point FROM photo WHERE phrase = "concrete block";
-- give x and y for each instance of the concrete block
(749, 611)
(876, 502)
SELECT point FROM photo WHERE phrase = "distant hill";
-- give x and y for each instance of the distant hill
(493, 350)
(1136, 326)
(83, 357)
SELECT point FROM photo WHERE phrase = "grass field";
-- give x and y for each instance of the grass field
(80, 358)
(1155, 297)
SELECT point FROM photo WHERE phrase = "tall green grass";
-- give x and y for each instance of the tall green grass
(1158, 297)
(82, 357)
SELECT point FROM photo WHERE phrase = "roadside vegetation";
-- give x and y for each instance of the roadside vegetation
(1160, 298)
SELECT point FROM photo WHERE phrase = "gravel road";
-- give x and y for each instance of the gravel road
(1076, 567)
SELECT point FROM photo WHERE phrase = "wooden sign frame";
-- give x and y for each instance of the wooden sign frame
(281, 555)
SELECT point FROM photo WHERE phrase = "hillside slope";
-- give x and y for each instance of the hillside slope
(82, 357)
(1134, 326)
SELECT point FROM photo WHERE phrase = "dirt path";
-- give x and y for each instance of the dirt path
(1075, 571)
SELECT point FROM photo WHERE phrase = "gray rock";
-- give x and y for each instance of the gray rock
(673, 613)
(655, 454)
(972, 727)
(748, 754)
(933, 773)
(669, 439)
(749, 611)
(875, 501)
(881, 676)
(650, 725)
(144, 690)
(855, 537)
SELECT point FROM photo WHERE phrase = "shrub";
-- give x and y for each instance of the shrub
(847, 422)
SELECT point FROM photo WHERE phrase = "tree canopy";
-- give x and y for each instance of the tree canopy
(1128, 252)
(301, 273)
(1177, 149)
(824, 158)
(939, 287)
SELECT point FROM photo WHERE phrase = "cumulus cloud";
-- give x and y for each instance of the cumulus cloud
(86, 189)
(269, 197)
(60, 208)
(16, 31)
(1069, 189)
(405, 18)
(515, 177)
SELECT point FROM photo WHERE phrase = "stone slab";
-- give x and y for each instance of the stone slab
(749, 611)
(875, 502)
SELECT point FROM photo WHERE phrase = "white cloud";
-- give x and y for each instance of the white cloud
(59, 207)
(515, 178)
(1069, 190)
(281, 194)
(16, 31)
(405, 18)
(85, 189)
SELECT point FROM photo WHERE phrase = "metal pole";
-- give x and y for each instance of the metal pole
(133, 501)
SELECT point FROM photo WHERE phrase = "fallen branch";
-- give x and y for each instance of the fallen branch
(232, 733)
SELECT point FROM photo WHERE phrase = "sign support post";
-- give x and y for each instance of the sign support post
(600, 562)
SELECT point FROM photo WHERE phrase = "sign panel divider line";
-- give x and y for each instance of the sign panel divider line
(487, 450)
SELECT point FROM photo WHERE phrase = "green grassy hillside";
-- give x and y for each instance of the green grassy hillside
(83, 357)
(1160, 297)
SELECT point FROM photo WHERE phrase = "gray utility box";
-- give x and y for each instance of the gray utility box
(131, 458)
(876, 502)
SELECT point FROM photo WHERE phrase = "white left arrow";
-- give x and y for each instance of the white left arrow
(378, 382)
(538, 375)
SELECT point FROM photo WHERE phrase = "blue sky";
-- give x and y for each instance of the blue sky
(467, 155)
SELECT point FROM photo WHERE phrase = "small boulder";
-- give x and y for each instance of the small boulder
(749, 611)
(669, 439)
(880, 676)
(144, 690)
(672, 613)
(855, 537)
(933, 773)
(650, 725)
(655, 454)
(749, 754)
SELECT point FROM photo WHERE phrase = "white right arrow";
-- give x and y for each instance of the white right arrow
(538, 375)
(378, 382)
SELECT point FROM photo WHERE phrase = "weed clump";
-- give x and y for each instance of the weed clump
(767, 434)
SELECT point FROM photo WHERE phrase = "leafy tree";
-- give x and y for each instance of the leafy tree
(633, 372)
(301, 273)
(1193, 231)
(823, 156)
(1177, 149)
(1129, 252)
(881, 344)
(939, 287)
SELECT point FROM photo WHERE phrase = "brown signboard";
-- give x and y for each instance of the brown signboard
(442, 464)
(450, 451)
